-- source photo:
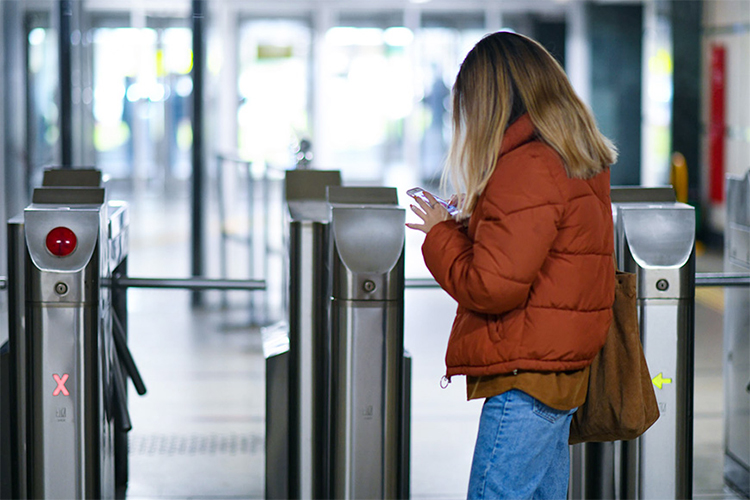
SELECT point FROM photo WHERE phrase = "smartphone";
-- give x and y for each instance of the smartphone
(419, 192)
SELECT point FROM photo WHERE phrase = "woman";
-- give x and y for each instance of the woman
(529, 260)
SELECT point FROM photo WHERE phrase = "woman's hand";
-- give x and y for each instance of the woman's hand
(431, 213)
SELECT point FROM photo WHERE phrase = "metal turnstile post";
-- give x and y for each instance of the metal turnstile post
(298, 357)
(657, 242)
(18, 403)
(736, 338)
(370, 418)
(67, 386)
(68, 354)
(5, 435)
(654, 238)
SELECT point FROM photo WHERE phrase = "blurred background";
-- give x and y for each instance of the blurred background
(366, 83)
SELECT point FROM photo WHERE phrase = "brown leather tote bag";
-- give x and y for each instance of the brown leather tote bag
(621, 403)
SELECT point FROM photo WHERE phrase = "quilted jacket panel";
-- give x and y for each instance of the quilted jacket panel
(532, 273)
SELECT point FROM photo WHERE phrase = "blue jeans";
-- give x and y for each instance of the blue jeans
(521, 451)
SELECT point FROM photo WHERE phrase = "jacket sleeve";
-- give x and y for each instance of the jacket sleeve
(521, 208)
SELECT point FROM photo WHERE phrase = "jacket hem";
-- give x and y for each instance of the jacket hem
(525, 365)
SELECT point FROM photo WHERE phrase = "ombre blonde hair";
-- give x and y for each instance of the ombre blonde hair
(503, 76)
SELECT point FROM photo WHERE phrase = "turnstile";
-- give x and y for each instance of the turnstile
(370, 371)
(68, 354)
(5, 436)
(736, 338)
(298, 354)
(337, 421)
(655, 239)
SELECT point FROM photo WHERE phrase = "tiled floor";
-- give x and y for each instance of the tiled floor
(199, 432)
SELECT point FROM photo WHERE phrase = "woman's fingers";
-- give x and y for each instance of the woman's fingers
(422, 203)
(430, 211)
(437, 210)
(417, 211)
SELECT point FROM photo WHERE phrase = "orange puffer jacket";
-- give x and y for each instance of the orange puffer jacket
(533, 272)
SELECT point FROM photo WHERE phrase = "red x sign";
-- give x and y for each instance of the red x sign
(60, 384)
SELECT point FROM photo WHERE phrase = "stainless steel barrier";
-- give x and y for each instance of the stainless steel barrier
(67, 391)
(736, 339)
(6, 489)
(298, 354)
(657, 242)
(338, 379)
(370, 452)
(654, 238)
(63, 406)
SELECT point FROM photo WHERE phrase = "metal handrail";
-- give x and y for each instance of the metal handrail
(195, 284)
(701, 279)
(722, 279)
(421, 283)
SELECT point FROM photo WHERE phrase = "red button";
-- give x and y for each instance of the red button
(61, 241)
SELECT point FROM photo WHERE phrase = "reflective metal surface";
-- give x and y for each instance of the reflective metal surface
(305, 192)
(368, 247)
(298, 355)
(737, 338)
(63, 359)
(5, 434)
(197, 283)
(370, 451)
(656, 241)
(18, 343)
(71, 355)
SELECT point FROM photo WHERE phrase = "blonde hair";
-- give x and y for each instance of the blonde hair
(503, 76)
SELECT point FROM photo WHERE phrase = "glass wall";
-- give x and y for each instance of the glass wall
(273, 86)
(42, 127)
(142, 89)
(367, 87)
(386, 92)
(369, 90)
(382, 90)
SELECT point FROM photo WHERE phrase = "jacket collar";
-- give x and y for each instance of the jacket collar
(520, 132)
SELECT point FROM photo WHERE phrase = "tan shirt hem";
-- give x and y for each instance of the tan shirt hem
(559, 390)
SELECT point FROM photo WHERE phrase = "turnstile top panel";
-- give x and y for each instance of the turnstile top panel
(369, 240)
(119, 217)
(309, 211)
(78, 177)
(306, 193)
(637, 194)
(69, 196)
(362, 196)
(309, 184)
(84, 221)
(737, 196)
(658, 234)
